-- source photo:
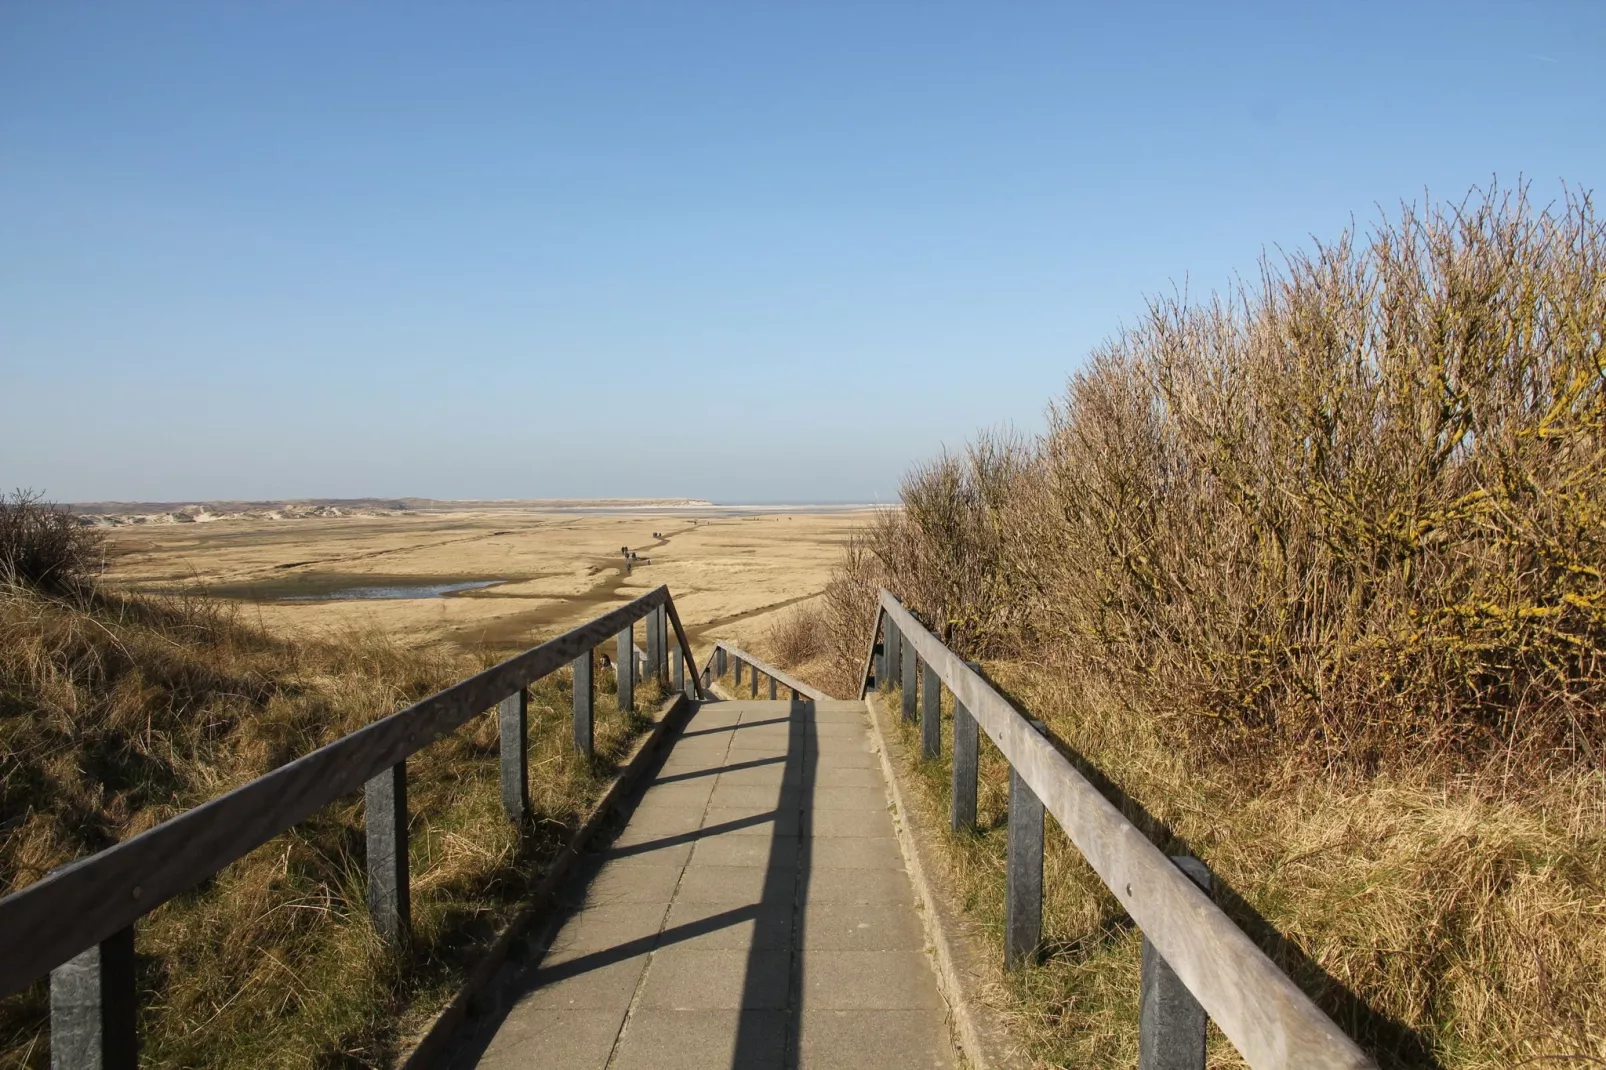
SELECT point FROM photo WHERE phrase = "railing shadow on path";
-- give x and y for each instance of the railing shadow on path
(768, 1025)
(780, 920)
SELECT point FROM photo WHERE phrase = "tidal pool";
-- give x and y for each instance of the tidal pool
(340, 587)
(406, 590)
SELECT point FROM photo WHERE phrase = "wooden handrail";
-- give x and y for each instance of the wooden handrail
(76, 907)
(778, 675)
(1271, 1022)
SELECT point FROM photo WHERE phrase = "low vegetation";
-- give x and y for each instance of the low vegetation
(43, 545)
(1311, 575)
(798, 637)
(118, 712)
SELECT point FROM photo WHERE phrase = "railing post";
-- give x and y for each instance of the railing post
(930, 714)
(94, 1011)
(655, 647)
(719, 663)
(911, 670)
(772, 689)
(663, 642)
(890, 656)
(1023, 924)
(677, 661)
(878, 659)
(736, 672)
(584, 701)
(389, 900)
(752, 676)
(512, 717)
(1171, 1024)
(963, 811)
(627, 670)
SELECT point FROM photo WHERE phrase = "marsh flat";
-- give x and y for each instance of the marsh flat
(730, 574)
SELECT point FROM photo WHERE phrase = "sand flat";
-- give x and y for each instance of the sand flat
(730, 574)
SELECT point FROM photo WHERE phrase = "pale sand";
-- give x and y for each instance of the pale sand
(730, 576)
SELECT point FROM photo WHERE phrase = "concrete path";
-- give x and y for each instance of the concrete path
(754, 912)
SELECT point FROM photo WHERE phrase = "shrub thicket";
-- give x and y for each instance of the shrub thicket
(1350, 516)
(43, 546)
(1355, 508)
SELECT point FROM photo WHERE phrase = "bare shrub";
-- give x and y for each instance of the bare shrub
(847, 609)
(1351, 509)
(798, 636)
(946, 551)
(43, 546)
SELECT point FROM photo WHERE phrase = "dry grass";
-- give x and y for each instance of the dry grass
(1442, 921)
(1313, 575)
(116, 713)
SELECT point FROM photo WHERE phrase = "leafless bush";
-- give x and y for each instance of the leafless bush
(43, 546)
(1357, 507)
(847, 609)
(798, 636)
(947, 551)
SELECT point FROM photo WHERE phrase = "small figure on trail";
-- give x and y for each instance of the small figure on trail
(607, 663)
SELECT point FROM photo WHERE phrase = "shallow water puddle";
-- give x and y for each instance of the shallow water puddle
(340, 587)
(408, 590)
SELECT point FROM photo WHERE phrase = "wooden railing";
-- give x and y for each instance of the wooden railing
(77, 923)
(725, 655)
(1196, 961)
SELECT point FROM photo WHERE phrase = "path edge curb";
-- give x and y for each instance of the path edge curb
(958, 952)
(435, 1042)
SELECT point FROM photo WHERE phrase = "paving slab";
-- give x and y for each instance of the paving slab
(754, 911)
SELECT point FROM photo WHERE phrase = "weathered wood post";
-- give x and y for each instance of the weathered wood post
(719, 662)
(512, 719)
(627, 670)
(663, 642)
(385, 818)
(94, 1009)
(772, 689)
(677, 661)
(891, 656)
(878, 653)
(962, 813)
(585, 693)
(911, 676)
(736, 672)
(752, 676)
(930, 714)
(1023, 923)
(655, 649)
(1171, 1024)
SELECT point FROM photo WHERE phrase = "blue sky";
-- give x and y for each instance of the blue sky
(746, 251)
